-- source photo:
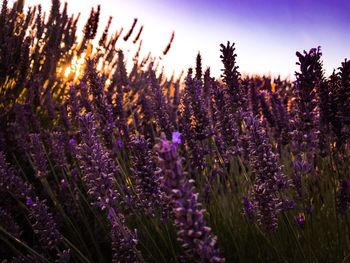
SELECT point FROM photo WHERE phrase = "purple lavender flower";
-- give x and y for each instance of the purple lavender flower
(11, 181)
(43, 224)
(227, 134)
(49, 104)
(193, 134)
(102, 110)
(58, 153)
(248, 209)
(38, 156)
(201, 123)
(29, 201)
(176, 138)
(121, 81)
(84, 95)
(98, 167)
(159, 105)
(193, 233)
(281, 116)
(231, 76)
(124, 241)
(270, 182)
(21, 127)
(300, 219)
(196, 155)
(343, 93)
(99, 178)
(306, 123)
(65, 121)
(300, 168)
(265, 108)
(145, 178)
(253, 97)
(73, 103)
(119, 144)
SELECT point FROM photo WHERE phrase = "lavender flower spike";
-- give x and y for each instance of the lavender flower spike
(270, 181)
(43, 224)
(99, 178)
(195, 236)
(176, 138)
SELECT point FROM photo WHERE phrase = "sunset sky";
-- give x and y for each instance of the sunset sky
(267, 33)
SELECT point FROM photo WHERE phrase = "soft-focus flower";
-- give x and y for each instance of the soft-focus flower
(72, 142)
(38, 156)
(29, 201)
(248, 209)
(176, 138)
(119, 144)
(300, 219)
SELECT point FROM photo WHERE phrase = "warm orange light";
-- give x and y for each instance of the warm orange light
(67, 72)
(75, 69)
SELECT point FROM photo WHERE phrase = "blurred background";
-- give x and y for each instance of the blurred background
(267, 33)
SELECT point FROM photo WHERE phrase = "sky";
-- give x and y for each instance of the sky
(267, 33)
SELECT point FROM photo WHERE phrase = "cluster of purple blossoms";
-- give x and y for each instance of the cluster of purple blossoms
(42, 220)
(195, 236)
(300, 168)
(200, 124)
(269, 180)
(102, 110)
(227, 133)
(300, 220)
(99, 172)
(58, 150)
(194, 121)
(145, 178)
(248, 209)
(339, 103)
(11, 182)
(281, 117)
(123, 240)
(159, 106)
(38, 156)
(306, 129)
(43, 223)
(231, 76)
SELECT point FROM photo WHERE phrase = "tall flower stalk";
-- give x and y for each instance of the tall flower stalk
(99, 177)
(196, 237)
(269, 181)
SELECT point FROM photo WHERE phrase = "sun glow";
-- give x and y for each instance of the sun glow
(75, 69)
(67, 72)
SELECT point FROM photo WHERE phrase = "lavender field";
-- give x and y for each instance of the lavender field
(101, 162)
